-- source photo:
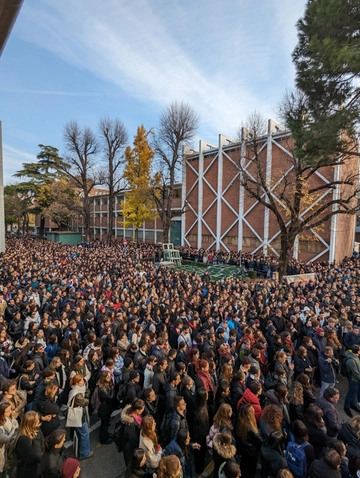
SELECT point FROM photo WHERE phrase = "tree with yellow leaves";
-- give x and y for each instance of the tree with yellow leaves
(139, 205)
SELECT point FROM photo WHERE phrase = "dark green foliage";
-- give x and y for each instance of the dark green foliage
(327, 60)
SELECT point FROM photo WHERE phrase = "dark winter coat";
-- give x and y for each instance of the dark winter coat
(29, 453)
(309, 398)
(327, 370)
(133, 390)
(221, 453)
(16, 329)
(249, 451)
(51, 463)
(348, 435)
(178, 422)
(272, 462)
(131, 434)
(236, 392)
(170, 393)
(319, 469)
(158, 383)
(301, 364)
(317, 437)
(200, 428)
(330, 416)
(47, 406)
(173, 448)
(106, 398)
(41, 361)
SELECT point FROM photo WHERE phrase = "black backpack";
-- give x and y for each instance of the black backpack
(119, 436)
(343, 368)
(122, 394)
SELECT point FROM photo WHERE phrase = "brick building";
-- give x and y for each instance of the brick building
(220, 215)
(150, 232)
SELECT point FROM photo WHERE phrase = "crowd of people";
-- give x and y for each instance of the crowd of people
(234, 372)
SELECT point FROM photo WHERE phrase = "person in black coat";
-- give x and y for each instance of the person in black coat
(200, 428)
(237, 388)
(30, 446)
(308, 394)
(133, 389)
(272, 455)
(47, 407)
(171, 391)
(53, 458)
(302, 362)
(328, 465)
(187, 391)
(131, 419)
(106, 393)
(223, 449)
(40, 358)
(151, 401)
(296, 402)
(248, 440)
(316, 428)
(350, 432)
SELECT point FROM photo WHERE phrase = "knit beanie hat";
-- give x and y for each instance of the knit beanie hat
(69, 467)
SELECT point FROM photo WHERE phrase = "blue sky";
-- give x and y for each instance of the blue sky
(128, 59)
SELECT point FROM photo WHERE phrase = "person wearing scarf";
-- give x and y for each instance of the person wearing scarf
(78, 390)
(203, 379)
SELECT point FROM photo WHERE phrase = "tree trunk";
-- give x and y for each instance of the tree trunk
(86, 208)
(166, 229)
(42, 227)
(111, 217)
(287, 245)
(136, 236)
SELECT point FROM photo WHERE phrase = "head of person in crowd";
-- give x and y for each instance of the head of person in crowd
(5, 412)
(314, 415)
(55, 441)
(300, 431)
(169, 467)
(231, 469)
(29, 425)
(245, 422)
(136, 467)
(77, 381)
(332, 458)
(70, 469)
(137, 407)
(332, 395)
(272, 416)
(222, 417)
(304, 380)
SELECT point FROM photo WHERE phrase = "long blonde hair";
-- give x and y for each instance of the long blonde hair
(147, 430)
(246, 421)
(27, 425)
(223, 416)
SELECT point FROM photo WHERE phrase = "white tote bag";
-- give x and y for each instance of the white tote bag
(74, 415)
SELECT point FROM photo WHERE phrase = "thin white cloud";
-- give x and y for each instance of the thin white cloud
(208, 54)
(13, 159)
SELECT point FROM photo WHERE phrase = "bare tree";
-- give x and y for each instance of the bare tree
(299, 202)
(178, 124)
(82, 147)
(113, 138)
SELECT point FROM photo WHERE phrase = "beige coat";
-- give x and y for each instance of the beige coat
(152, 456)
(8, 432)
